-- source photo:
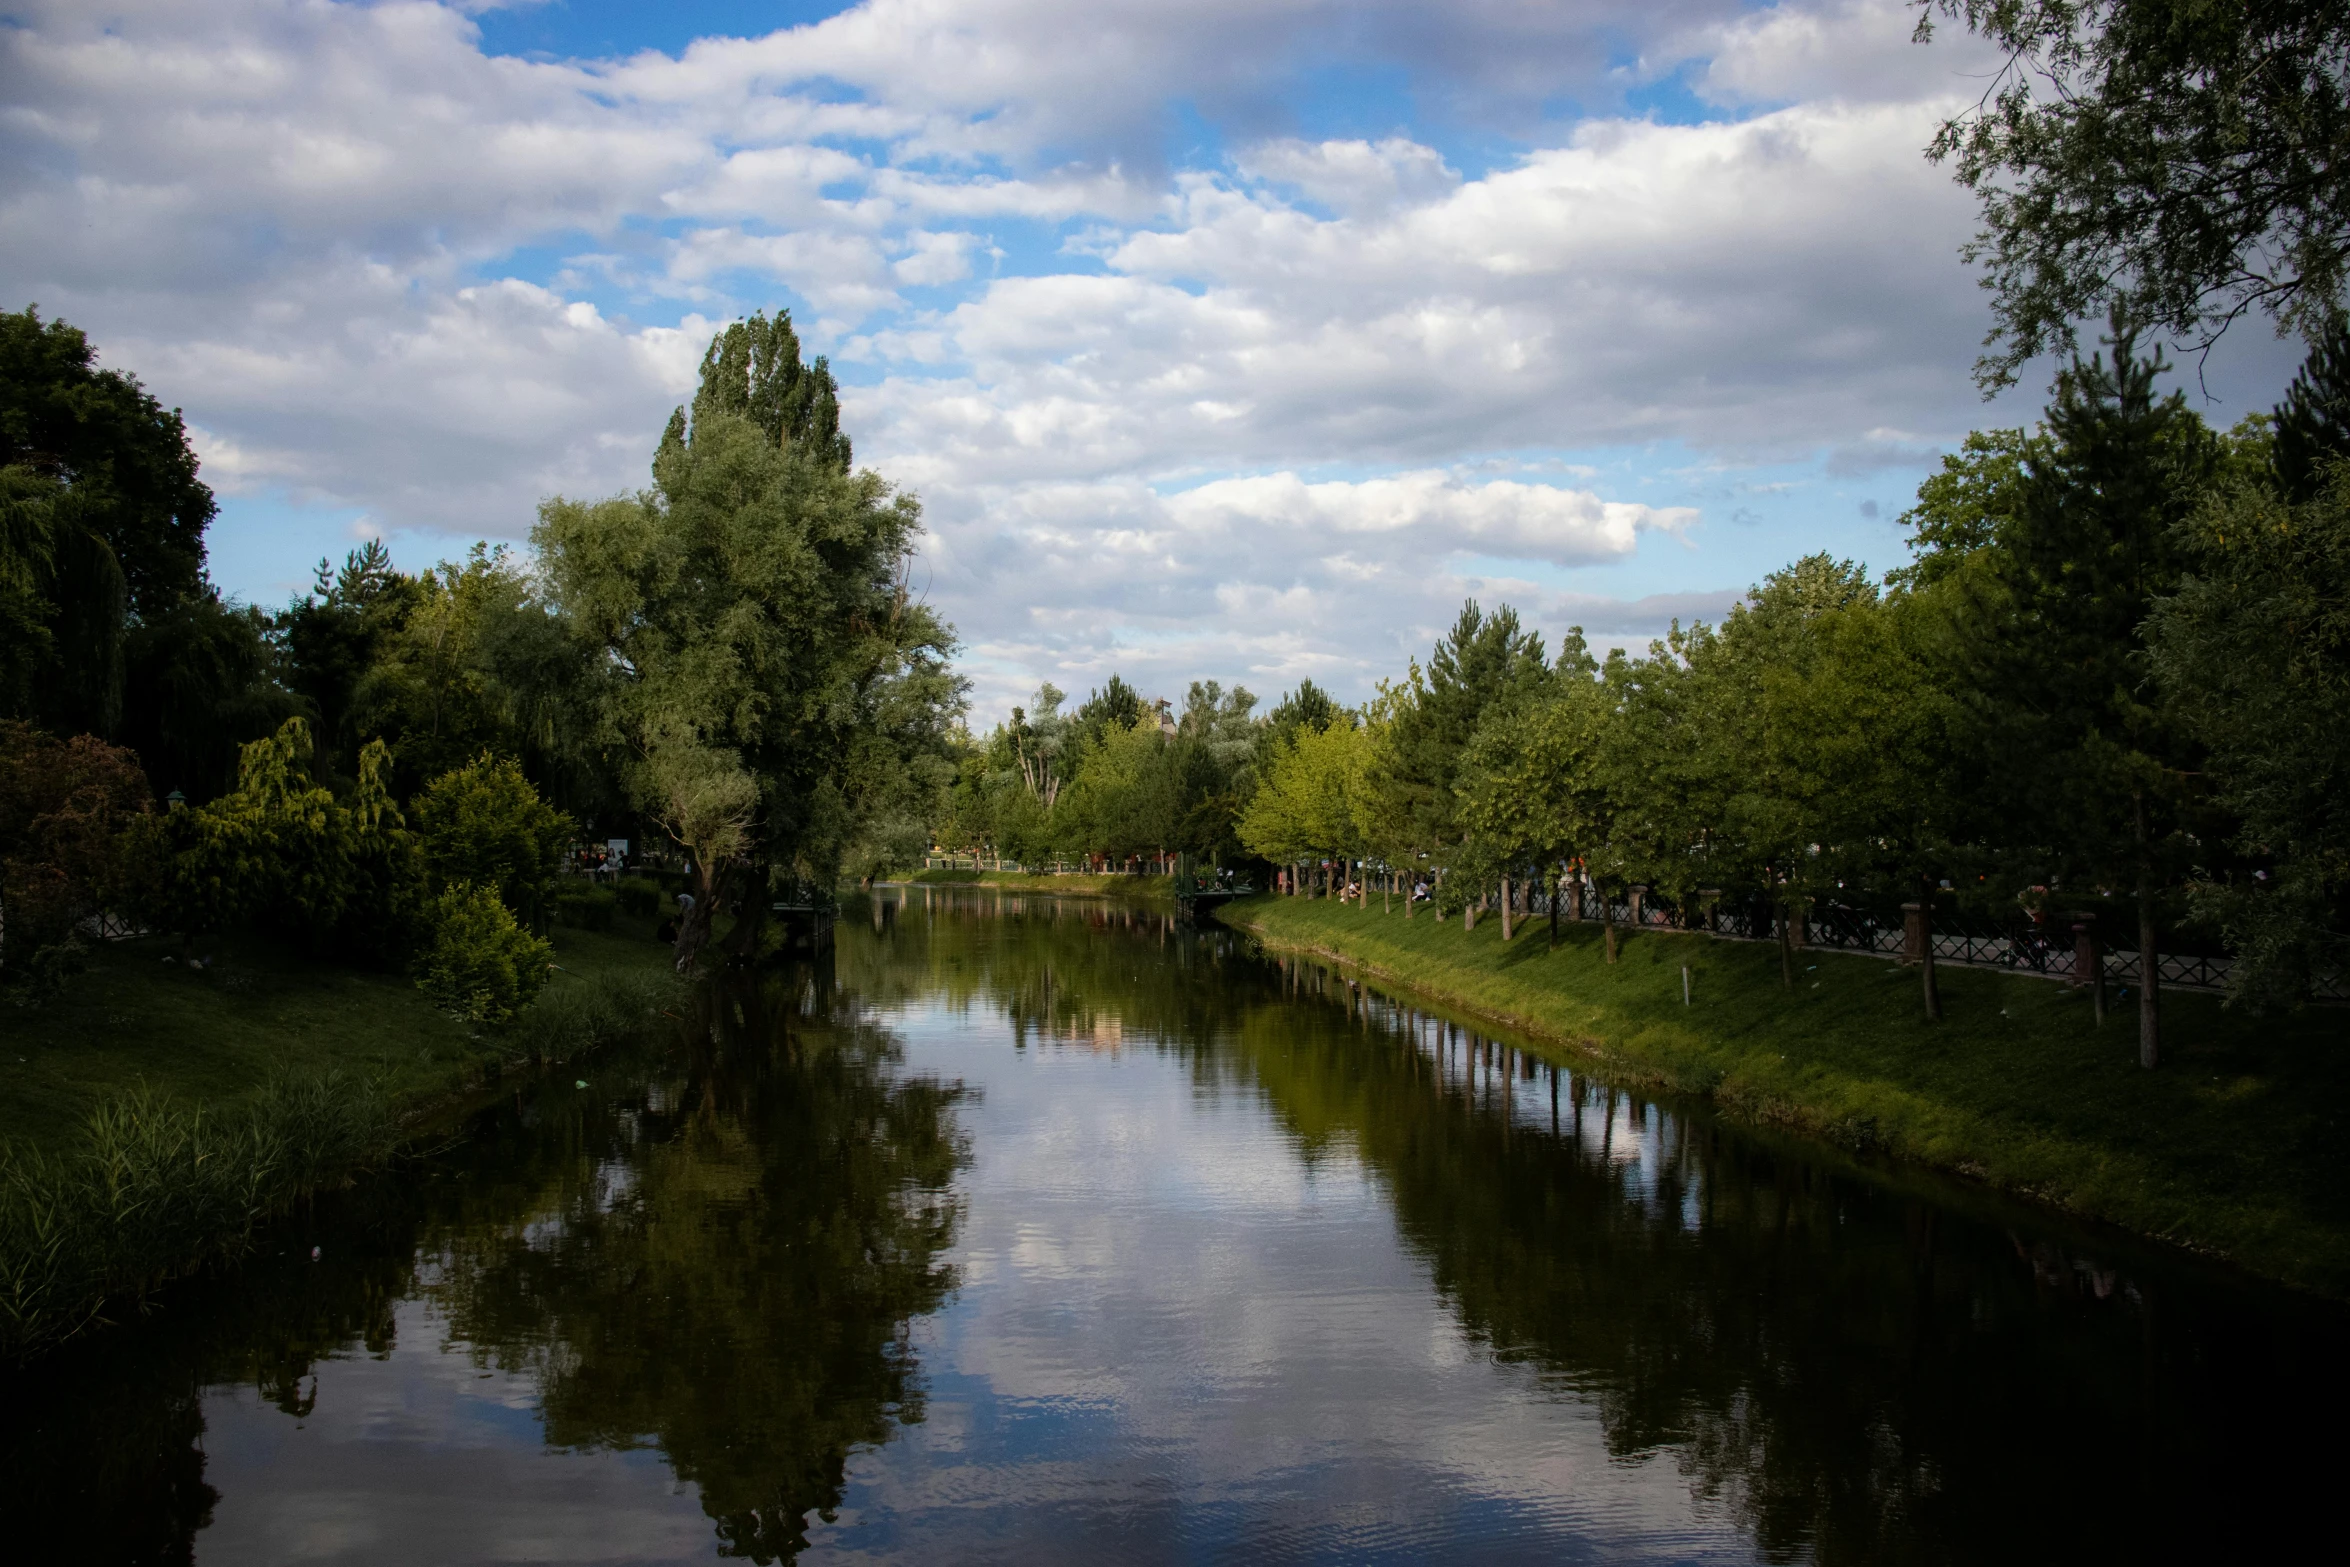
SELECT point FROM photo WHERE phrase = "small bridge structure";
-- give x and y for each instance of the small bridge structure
(1201, 888)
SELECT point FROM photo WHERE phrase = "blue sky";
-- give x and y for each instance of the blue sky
(1219, 339)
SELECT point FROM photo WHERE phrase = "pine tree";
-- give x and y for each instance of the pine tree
(2093, 761)
(2313, 422)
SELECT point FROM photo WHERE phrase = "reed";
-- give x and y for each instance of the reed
(158, 1184)
(157, 1187)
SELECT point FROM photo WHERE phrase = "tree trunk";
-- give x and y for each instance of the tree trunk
(1607, 923)
(1787, 945)
(749, 887)
(1505, 910)
(2149, 962)
(1926, 959)
(704, 883)
(1556, 884)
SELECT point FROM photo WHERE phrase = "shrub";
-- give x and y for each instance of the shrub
(281, 853)
(585, 908)
(475, 959)
(484, 822)
(575, 1016)
(71, 820)
(638, 899)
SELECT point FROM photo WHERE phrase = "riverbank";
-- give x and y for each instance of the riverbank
(1136, 889)
(157, 1113)
(2237, 1147)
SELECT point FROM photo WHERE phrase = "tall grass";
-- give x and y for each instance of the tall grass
(156, 1188)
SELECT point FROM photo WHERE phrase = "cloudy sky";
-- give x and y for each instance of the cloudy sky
(1231, 338)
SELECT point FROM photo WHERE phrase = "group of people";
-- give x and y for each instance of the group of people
(597, 862)
(1420, 893)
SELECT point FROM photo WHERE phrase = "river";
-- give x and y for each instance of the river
(1040, 1230)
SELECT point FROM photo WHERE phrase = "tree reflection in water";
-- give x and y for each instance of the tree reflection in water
(1862, 1365)
(715, 1251)
(726, 1268)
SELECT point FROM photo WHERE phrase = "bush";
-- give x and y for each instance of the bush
(282, 854)
(484, 822)
(476, 960)
(73, 815)
(585, 908)
(638, 899)
(574, 1016)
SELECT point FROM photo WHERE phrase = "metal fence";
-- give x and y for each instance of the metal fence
(2023, 946)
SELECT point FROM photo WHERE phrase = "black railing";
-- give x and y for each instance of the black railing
(2045, 947)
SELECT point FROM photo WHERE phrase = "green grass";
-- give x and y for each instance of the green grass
(2235, 1147)
(218, 1035)
(157, 1113)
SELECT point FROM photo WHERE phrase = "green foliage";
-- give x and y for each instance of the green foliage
(467, 657)
(1966, 508)
(2313, 422)
(776, 686)
(2175, 162)
(752, 371)
(2255, 647)
(274, 852)
(1429, 722)
(123, 454)
(485, 823)
(198, 691)
(333, 639)
(1306, 805)
(1115, 708)
(281, 854)
(1533, 792)
(583, 907)
(476, 960)
(157, 1187)
(1125, 800)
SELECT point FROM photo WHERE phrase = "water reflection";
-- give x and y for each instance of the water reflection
(1231, 1257)
(713, 1253)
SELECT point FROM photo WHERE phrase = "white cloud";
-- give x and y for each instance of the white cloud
(1436, 513)
(389, 273)
(1356, 178)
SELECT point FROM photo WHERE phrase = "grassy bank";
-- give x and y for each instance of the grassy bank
(2236, 1147)
(1139, 889)
(157, 1113)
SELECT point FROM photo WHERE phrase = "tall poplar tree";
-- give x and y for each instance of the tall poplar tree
(772, 676)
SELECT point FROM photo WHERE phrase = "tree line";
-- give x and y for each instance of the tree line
(2110, 677)
(728, 663)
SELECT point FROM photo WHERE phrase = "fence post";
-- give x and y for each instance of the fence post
(1639, 891)
(1914, 934)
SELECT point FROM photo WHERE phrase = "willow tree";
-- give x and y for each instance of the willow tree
(774, 686)
(2179, 162)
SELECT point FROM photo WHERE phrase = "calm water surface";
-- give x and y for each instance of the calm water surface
(1040, 1231)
